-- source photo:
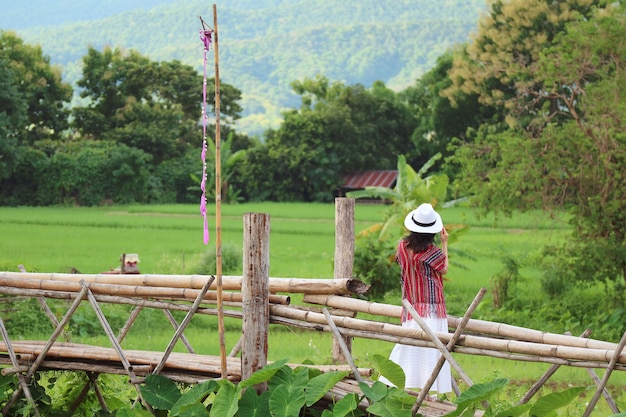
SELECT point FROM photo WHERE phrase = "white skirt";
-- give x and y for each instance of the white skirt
(418, 363)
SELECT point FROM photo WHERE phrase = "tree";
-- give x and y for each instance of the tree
(12, 116)
(152, 106)
(337, 130)
(37, 85)
(566, 146)
(499, 60)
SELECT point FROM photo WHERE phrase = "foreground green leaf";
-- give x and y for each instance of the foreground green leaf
(194, 395)
(160, 392)
(320, 385)
(390, 370)
(546, 405)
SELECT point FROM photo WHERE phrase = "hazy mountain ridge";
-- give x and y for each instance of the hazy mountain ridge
(264, 45)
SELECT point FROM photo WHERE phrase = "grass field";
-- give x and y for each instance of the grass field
(168, 239)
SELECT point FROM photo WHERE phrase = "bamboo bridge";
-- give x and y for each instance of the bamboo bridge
(328, 305)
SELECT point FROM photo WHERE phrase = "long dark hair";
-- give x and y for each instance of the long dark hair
(419, 242)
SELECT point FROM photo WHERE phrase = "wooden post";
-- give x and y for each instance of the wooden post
(255, 291)
(344, 258)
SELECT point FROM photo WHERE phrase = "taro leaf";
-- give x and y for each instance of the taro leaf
(515, 411)
(346, 406)
(480, 392)
(263, 374)
(389, 407)
(195, 395)
(376, 392)
(402, 396)
(283, 376)
(160, 392)
(194, 410)
(321, 384)
(546, 405)
(286, 402)
(253, 405)
(390, 370)
(226, 401)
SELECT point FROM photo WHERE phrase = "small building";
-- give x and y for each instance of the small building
(360, 180)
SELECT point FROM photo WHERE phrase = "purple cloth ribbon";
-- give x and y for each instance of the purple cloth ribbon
(205, 37)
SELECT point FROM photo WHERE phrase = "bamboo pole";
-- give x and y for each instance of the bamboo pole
(132, 290)
(500, 330)
(450, 346)
(179, 331)
(478, 342)
(22, 380)
(218, 198)
(433, 337)
(607, 375)
(82, 357)
(277, 285)
(340, 340)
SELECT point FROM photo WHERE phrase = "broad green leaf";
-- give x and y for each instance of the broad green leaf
(468, 400)
(515, 411)
(194, 410)
(402, 396)
(320, 385)
(264, 374)
(546, 405)
(254, 405)
(160, 392)
(377, 391)
(346, 406)
(226, 401)
(389, 407)
(195, 395)
(285, 402)
(284, 376)
(390, 370)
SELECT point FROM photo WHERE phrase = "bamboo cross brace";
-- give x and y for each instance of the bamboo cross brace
(129, 322)
(50, 315)
(23, 386)
(607, 374)
(183, 325)
(450, 346)
(113, 339)
(433, 337)
(541, 381)
(183, 338)
(342, 344)
(53, 337)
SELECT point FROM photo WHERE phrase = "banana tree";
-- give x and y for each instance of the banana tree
(412, 189)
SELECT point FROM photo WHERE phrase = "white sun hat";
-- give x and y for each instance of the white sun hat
(423, 219)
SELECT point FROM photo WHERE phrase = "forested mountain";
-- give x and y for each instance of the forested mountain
(264, 45)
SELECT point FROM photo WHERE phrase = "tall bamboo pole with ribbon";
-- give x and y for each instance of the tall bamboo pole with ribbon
(206, 35)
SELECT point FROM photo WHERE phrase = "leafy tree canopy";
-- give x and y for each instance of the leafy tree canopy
(566, 145)
(152, 106)
(34, 99)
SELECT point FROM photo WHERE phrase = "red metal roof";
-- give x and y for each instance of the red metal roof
(370, 179)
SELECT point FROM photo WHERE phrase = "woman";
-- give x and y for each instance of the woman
(423, 265)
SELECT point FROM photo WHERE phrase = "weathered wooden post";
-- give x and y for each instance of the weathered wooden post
(255, 294)
(344, 256)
